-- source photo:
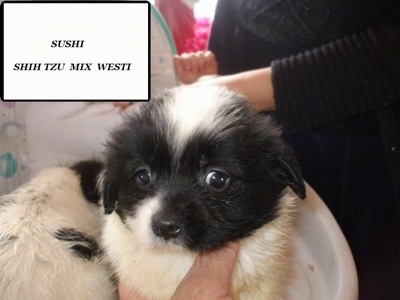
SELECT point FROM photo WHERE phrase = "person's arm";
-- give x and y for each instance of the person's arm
(352, 75)
(256, 85)
(201, 67)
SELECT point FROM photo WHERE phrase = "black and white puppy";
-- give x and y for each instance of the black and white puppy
(189, 172)
(49, 238)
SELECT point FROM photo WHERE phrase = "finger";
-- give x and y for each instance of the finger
(204, 60)
(209, 277)
(178, 65)
(195, 61)
(210, 57)
(188, 61)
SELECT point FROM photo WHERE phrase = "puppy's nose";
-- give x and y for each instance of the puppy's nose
(165, 227)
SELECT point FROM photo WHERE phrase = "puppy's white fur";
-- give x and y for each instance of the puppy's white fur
(195, 109)
(36, 265)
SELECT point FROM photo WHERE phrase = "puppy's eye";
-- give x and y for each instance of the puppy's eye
(217, 180)
(142, 177)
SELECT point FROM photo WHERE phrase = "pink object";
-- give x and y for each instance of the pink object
(199, 41)
(180, 20)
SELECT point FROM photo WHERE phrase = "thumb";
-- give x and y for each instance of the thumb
(178, 64)
(210, 275)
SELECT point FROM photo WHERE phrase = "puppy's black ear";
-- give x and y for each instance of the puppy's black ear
(110, 194)
(88, 171)
(289, 173)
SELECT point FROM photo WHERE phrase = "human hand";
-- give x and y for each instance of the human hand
(256, 85)
(208, 278)
(189, 67)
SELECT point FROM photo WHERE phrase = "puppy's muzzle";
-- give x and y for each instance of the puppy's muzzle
(165, 226)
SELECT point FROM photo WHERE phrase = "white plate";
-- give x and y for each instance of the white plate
(323, 265)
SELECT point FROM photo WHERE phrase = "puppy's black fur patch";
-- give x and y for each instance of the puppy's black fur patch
(88, 172)
(82, 245)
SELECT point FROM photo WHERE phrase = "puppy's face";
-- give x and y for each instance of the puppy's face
(197, 168)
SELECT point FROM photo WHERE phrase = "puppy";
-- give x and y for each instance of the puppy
(191, 171)
(49, 238)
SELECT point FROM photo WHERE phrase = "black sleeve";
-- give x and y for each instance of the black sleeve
(237, 49)
(352, 75)
(226, 41)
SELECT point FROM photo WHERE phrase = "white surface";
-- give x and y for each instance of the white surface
(61, 133)
(205, 8)
(323, 265)
(112, 33)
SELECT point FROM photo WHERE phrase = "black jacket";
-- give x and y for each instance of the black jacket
(335, 64)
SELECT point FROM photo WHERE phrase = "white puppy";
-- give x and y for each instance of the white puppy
(49, 231)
